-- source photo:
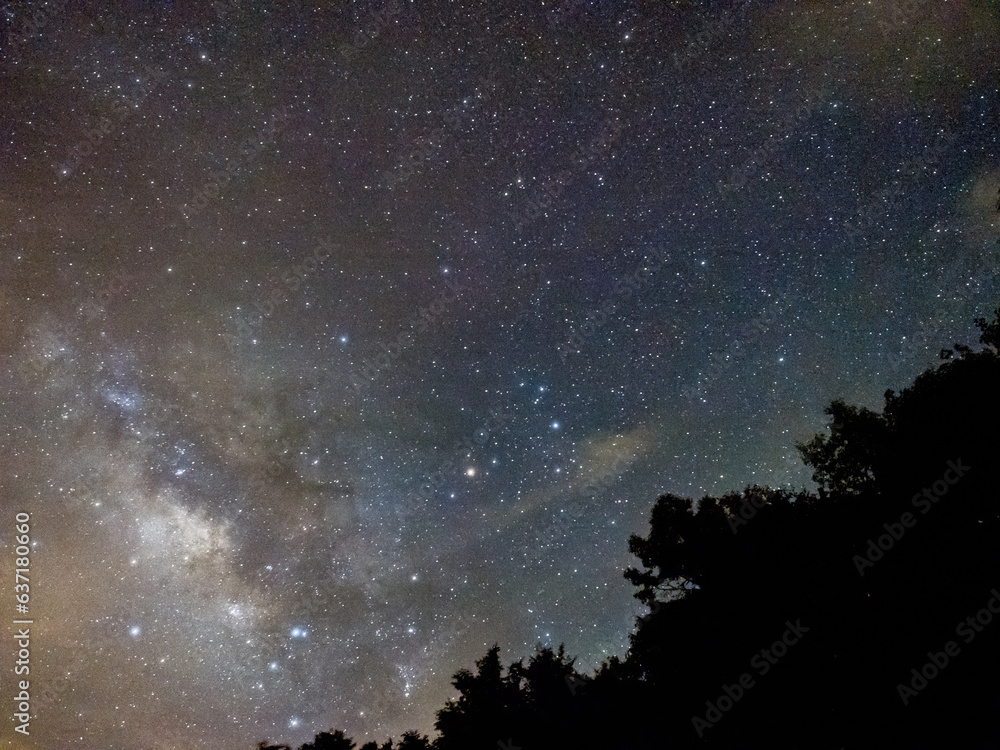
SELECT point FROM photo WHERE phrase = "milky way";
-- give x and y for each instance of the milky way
(341, 343)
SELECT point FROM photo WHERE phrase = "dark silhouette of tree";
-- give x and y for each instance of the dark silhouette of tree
(681, 551)
(798, 558)
(874, 574)
(413, 741)
(484, 711)
(332, 740)
(547, 714)
(990, 331)
(844, 462)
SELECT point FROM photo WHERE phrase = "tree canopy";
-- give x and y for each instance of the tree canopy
(856, 616)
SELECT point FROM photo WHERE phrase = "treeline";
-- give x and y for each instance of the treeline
(866, 614)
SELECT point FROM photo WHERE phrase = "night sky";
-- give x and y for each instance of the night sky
(339, 343)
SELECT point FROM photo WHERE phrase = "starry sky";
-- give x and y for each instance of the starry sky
(342, 340)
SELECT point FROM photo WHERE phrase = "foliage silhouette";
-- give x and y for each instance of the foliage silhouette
(877, 571)
(332, 740)
(412, 741)
(485, 709)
